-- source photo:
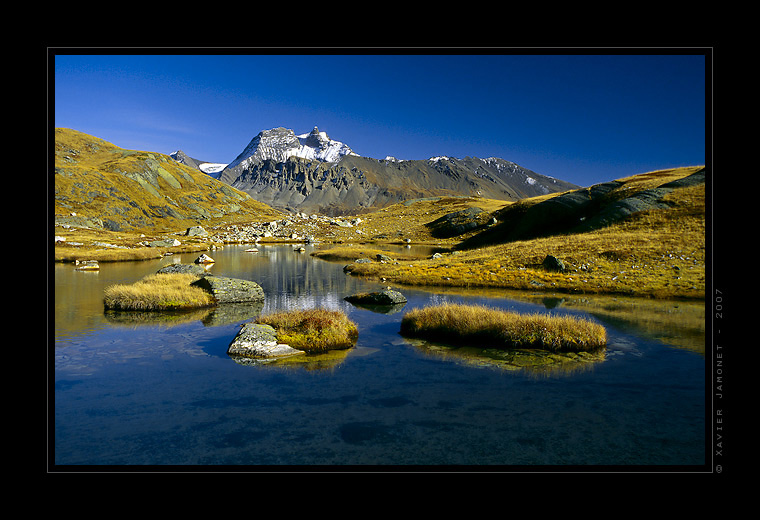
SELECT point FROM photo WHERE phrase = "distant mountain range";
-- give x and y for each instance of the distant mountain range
(313, 173)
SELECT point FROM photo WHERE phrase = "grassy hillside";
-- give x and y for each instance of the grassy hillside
(101, 186)
(103, 194)
(411, 220)
(658, 252)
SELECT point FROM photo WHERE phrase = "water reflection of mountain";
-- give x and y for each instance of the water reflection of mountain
(290, 279)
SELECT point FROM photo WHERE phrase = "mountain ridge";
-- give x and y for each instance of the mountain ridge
(314, 173)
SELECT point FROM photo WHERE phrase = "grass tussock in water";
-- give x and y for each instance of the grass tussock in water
(170, 291)
(469, 324)
(313, 330)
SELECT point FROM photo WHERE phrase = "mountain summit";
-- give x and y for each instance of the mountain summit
(278, 144)
(313, 173)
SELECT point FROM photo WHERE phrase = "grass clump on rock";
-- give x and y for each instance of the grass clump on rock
(313, 330)
(453, 323)
(158, 292)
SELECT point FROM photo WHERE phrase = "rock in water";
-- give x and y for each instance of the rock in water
(231, 290)
(87, 265)
(384, 297)
(204, 259)
(256, 340)
(183, 268)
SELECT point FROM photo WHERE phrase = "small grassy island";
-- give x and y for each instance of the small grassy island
(474, 324)
(158, 292)
(313, 330)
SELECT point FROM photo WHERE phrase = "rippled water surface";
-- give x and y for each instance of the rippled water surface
(157, 390)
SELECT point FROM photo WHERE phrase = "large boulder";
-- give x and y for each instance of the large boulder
(552, 263)
(196, 231)
(384, 297)
(183, 268)
(231, 290)
(256, 340)
(168, 242)
(204, 259)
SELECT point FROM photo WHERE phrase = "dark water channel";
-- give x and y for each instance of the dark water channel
(132, 390)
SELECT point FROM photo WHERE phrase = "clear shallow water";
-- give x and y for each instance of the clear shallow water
(130, 392)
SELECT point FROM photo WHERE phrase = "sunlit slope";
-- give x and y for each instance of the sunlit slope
(595, 207)
(654, 246)
(101, 186)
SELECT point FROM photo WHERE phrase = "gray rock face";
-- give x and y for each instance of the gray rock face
(256, 340)
(183, 268)
(231, 290)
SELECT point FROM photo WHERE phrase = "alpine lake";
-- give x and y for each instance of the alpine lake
(158, 391)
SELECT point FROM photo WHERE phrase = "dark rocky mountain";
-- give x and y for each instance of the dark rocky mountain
(312, 173)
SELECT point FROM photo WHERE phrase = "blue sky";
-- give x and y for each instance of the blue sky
(577, 117)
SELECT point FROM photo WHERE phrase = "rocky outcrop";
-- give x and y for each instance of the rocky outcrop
(256, 340)
(457, 223)
(231, 290)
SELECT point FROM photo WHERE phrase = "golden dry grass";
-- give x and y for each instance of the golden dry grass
(656, 253)
(170, 291)
(407, 220)
(473, 324)
(313, 330)
(141, 190)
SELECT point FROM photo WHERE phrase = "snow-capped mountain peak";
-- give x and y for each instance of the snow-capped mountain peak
(280, 143)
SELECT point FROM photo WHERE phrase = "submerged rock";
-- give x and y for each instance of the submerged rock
(256, 340)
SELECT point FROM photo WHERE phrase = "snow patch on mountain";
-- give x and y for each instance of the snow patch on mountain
(212, 169)
(279, 144)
